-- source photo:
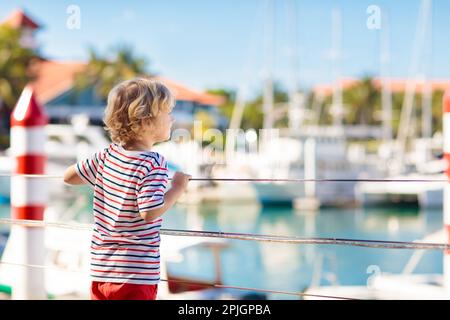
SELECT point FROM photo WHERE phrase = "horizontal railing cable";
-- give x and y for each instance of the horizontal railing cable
(246, 236)
(49, 176)
(381, 244)
(212, 285)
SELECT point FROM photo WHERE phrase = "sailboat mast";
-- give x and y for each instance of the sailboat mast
(408, 101)
(337, 108)
(427, 93)
(296, 112)
(268, 99)
(386, 92)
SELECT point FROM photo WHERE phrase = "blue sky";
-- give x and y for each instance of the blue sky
(208, 44)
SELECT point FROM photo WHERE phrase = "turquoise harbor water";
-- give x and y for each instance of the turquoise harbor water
(291, 267)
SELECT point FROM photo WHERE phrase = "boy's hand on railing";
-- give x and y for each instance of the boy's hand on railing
(180, 180)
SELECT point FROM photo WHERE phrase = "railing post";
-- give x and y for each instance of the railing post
(28, 196)
(446, 213)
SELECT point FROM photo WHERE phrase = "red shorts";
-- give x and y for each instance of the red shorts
(123, 291)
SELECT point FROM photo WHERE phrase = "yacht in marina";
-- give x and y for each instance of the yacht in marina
(65, 145)
(407, 285)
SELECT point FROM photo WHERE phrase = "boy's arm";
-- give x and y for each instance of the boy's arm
(71, 176)
(179, 184)
(170, 198)
(85, 171)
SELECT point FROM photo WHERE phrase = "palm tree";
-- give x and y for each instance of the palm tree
(362, 100)
(253, 115)
(15, 73)
(104, 72)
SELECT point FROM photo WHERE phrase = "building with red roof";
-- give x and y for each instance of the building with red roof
(18, 19)
(396, 85)
(55, 81)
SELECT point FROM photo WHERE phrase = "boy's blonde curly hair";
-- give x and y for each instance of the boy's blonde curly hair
(132, 101)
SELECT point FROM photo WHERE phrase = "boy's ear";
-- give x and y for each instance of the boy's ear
(145, 122)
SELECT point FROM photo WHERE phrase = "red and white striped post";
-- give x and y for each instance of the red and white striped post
(446, 134)
(28, 195)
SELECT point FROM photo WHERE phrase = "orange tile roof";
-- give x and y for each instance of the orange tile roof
(182, 92)
(397, 85)
(325, 90)
(18, 18)
(54, 78)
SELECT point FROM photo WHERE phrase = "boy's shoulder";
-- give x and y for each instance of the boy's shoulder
(153, 159)
(150, 159)
(156, 157)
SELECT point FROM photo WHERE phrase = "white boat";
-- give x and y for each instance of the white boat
(299, 151)
(6, 167)
(387, 286)
(199, 163)
(420, 163)
(66, 144)
(410, 156)
(53, 168)
(426, 194)
(67, 259)
(321, 153)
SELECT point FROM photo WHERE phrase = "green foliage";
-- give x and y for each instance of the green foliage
(253, 111)
(15, 73)
(362, 104)
(15, 61)
(436, 111)
(226, 109)
(103, 72)
(205, 119)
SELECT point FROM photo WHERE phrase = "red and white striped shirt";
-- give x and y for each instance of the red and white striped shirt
(124, 247)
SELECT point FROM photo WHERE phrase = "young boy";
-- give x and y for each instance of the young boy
(129, 183)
